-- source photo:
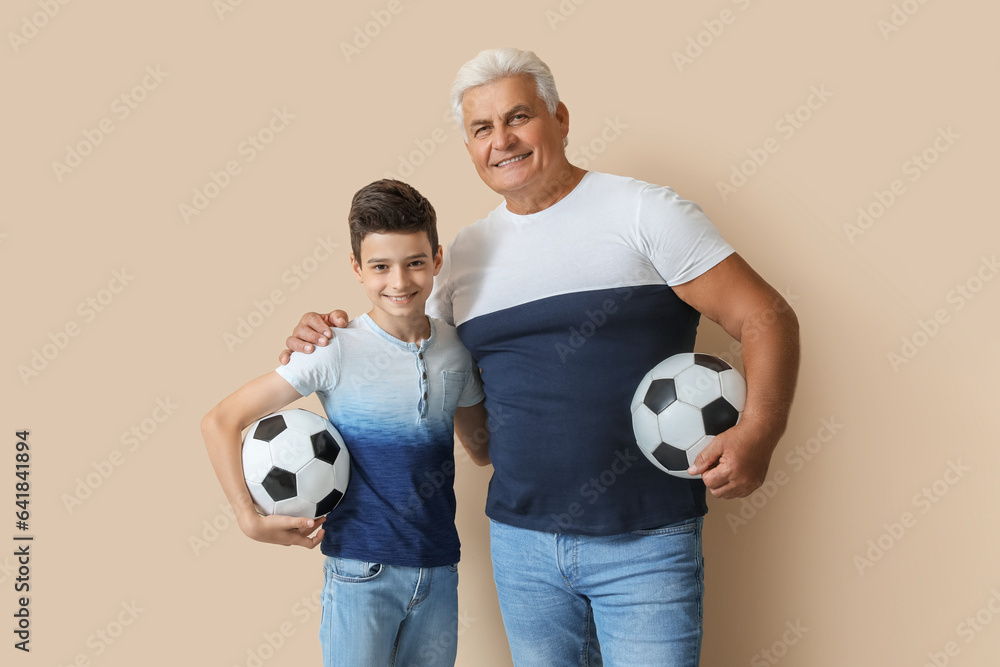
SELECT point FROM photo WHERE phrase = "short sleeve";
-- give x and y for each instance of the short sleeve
(313, 372)
(439, 304)
(677, 236)
(472, 392)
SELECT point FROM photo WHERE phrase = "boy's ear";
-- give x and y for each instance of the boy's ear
(438, 259)
(356, 268)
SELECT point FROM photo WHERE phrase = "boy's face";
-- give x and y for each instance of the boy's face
(397, 271)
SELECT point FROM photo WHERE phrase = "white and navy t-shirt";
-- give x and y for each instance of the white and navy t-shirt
(565, 310)
(394, 403)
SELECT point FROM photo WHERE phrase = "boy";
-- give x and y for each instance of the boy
(397, 385)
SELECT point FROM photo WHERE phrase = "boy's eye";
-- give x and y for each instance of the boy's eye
(380, 267)
(417, 262)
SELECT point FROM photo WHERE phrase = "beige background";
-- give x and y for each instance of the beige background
(829, 550)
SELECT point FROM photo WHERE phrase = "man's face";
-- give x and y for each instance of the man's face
(515, 143)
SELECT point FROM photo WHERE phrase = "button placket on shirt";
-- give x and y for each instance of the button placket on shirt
(421, 377)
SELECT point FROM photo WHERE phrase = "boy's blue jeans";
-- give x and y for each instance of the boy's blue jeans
(641, 591)
(382, 615)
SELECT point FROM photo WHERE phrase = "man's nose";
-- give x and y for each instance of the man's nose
(503, 138)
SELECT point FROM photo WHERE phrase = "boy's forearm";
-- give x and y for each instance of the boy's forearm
(224, 445)
(472, 431)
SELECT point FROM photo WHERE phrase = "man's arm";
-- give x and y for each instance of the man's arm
(313, 329)
(472, 432)
(732, 294)
(222, 429)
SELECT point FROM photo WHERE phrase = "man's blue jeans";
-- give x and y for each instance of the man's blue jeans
(381, 615)
(641, 592)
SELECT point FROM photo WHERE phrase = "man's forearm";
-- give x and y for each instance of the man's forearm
(770, 340)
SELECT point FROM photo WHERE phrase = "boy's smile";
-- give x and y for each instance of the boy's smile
(397, 272)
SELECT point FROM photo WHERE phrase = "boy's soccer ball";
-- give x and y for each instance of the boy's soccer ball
(681, 405)
(295, 464)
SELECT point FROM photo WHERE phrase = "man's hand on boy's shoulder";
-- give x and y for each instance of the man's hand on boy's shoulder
(284, 530)
(313, 329)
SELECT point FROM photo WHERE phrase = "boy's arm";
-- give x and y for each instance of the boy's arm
(222, 429)
(471, 429)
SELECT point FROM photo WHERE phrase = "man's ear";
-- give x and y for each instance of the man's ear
(562, 117)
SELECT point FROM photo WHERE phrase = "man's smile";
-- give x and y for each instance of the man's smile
(511, 160)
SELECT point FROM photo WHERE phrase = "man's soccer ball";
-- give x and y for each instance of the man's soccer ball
(681, 405)
(295, 464)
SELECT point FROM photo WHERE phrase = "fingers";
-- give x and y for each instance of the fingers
(337, 318)
(285, 356)
(707, 458)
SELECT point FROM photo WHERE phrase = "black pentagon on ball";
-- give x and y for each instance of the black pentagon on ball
(325, 447)
(268, 429)
(718, 416)
(327, 504)
(711, 363)
(670, 457)
(279, 484)
(661, 393)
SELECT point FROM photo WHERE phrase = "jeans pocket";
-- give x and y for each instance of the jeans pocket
(679, 528)
(352, 571)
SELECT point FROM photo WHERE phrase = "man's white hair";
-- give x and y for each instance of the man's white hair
(493, 64)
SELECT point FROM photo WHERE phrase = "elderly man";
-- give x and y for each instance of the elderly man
(595, 552)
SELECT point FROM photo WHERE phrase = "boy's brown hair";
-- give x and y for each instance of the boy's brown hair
(390, 207)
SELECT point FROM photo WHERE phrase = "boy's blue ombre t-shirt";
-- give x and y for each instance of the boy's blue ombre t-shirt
(394, 403)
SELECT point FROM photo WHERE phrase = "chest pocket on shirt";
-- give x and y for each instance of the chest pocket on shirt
(454, 384)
